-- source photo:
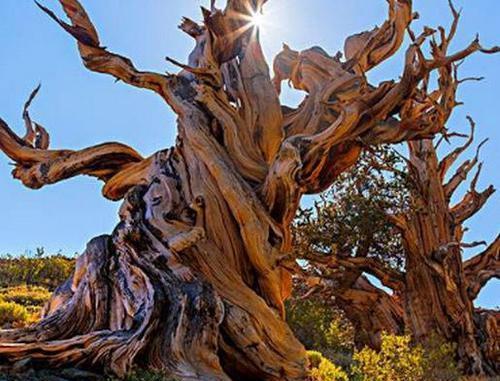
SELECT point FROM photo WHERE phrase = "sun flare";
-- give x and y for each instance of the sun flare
(258, 19)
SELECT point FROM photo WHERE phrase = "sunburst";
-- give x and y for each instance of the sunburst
(257, 19)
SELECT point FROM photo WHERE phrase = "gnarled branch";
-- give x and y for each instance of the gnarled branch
(472, 202)
(483, 267)
(462, 172)
(389, 277)
(343, 111)
(451, 158)
(366, 50)
(97, 58)
(118, 165)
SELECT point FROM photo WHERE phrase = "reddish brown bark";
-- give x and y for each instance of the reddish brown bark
(372, 312)
(192, 280)
(437, 288)
(435, 293)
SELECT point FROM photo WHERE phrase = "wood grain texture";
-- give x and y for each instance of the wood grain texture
(193, 279)
(435, 291)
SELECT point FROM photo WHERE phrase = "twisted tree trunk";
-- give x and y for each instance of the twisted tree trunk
(435, 293)
(438, 294)
(192, 281)
(372, 312)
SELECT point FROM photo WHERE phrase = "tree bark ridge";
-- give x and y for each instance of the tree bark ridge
(193, 279)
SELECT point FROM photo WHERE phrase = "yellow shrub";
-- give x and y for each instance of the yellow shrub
(12, 314)
(396, 361)
(322, 369)
(25, 295)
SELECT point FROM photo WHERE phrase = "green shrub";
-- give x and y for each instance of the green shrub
(49, 271)
(55, 271)
(439, 360)
(12, 314)
(322, 369)
(320, 327)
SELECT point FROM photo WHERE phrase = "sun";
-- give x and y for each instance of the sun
(258, 19)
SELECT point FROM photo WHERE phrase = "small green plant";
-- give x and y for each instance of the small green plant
(322, 369)
(12, 314)
(320, 327)
(439, 360)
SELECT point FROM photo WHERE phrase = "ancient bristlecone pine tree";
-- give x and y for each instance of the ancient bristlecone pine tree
(193, 278)
(433, 293)
(439, 288)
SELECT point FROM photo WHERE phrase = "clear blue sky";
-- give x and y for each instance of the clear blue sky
(80, 108)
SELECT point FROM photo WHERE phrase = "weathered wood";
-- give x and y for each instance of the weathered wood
(192, 281)
(372, 311)
(434, 293)
(438, 292)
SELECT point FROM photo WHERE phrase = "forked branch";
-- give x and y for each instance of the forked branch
(482, 268)
(117, 164)
(462, 172)
(97, 58)
(472, 202)
(388, 277)
(450, 159)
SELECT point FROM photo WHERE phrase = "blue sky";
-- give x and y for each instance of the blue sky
(80, 108)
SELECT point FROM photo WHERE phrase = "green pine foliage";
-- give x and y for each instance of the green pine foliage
(350, 218)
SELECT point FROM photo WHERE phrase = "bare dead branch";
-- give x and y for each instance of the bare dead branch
(448, 161)
(36, 136)
(97, 58)
(470, 245)
(472, 202)
(482, 268)
(37, 166)
(462, 172)
(366, 50)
